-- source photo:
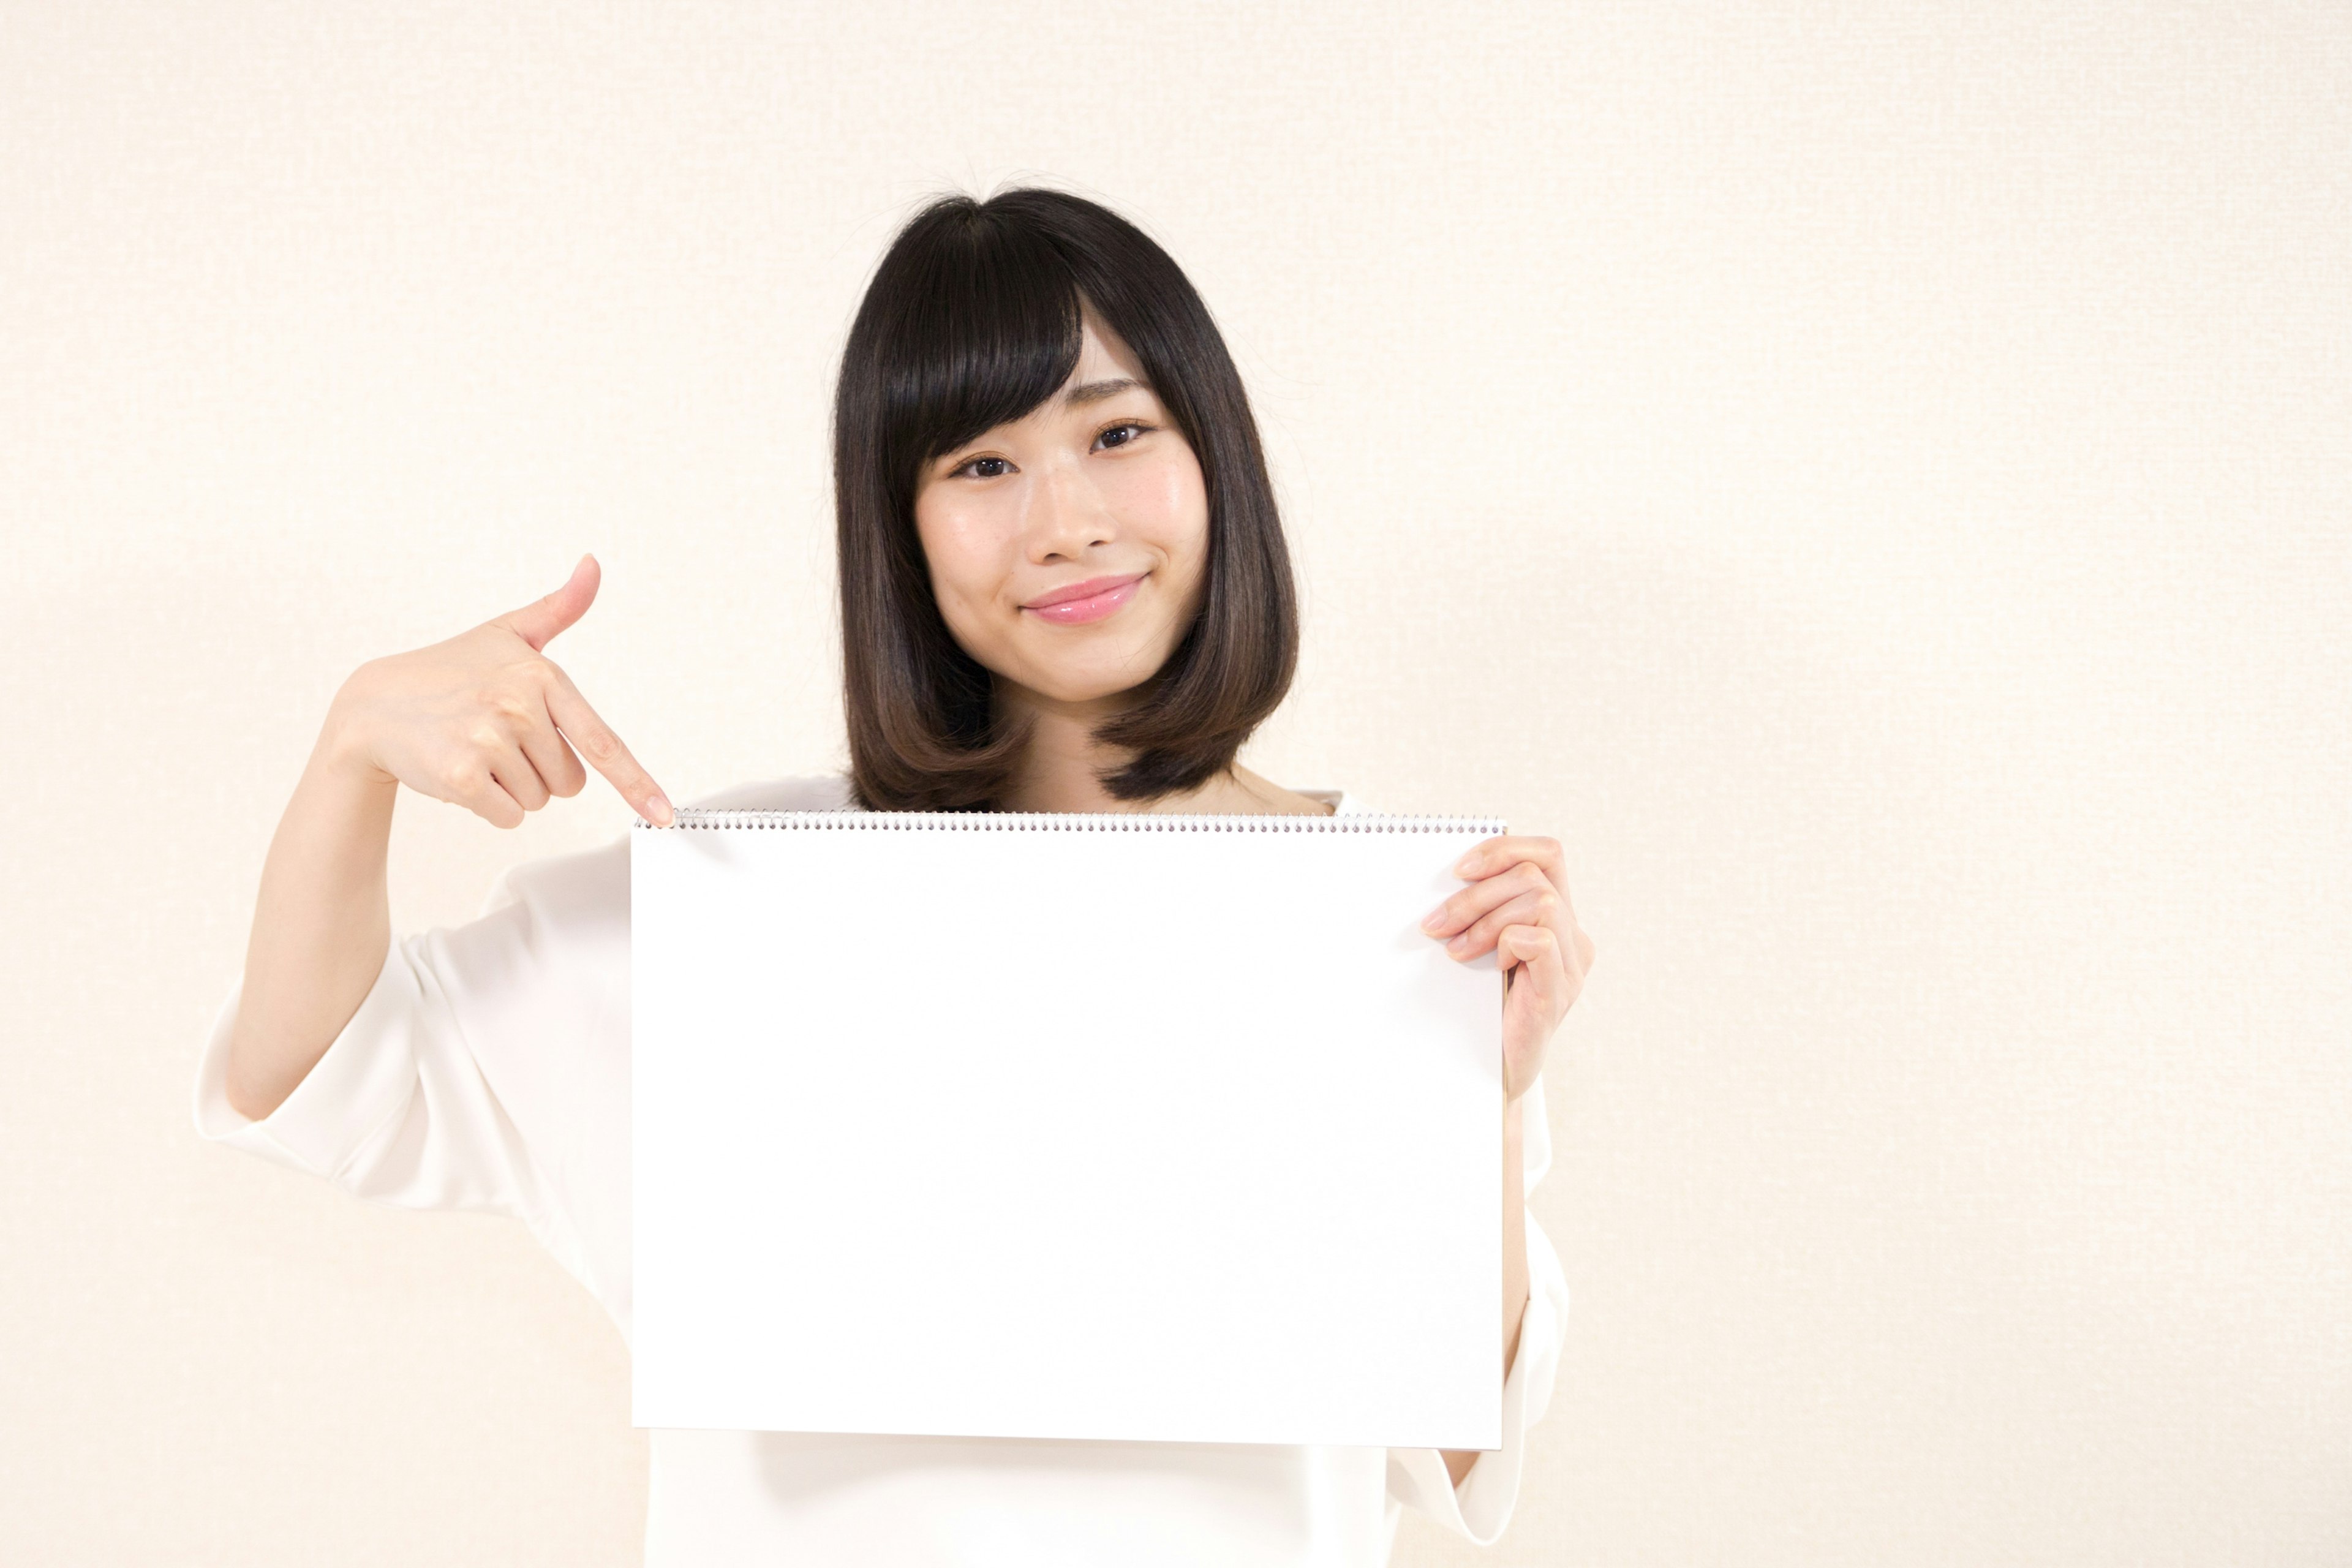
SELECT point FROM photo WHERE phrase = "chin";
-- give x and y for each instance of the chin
(1077, 672)
(1093, 685)
(1086, 693)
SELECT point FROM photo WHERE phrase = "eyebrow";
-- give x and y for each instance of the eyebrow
(1077, 396)
(1096, 391)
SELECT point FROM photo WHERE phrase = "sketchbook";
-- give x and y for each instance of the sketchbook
(1141, 1127)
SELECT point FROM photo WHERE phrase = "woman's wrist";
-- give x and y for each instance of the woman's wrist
(342, 753)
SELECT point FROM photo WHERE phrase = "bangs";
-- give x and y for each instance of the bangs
(973, 320)
(989, 329)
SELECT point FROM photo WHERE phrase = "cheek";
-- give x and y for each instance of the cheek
(961, 552)
(1167, 503)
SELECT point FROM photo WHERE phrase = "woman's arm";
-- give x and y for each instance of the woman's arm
(1516, 907)
(320, 925)
(485, 721)
(1515, 1265)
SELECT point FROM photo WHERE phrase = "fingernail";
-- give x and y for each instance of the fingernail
(1462, 867)
(657, 811)
(1434, 919)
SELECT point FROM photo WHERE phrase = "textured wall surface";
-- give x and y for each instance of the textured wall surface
(1876, 485)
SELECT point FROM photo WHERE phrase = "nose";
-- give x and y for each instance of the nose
(1066, 516)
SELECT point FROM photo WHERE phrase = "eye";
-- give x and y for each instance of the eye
(1114, 436)
(989, 468)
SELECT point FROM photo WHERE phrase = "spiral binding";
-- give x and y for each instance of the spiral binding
(845, 819)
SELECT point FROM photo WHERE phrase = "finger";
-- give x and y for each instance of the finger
(1541, 974)
(468, 783)
(1545, 856)
(602, 750)
(553, 758)
(1536, 997)
(494, 806)
(1492, 855)
(515, 774)
(538, 622)
(1459, 910)
(1539, 907)
(1497, 854)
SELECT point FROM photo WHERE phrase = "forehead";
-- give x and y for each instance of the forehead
(1104, 366)
(1102, 355)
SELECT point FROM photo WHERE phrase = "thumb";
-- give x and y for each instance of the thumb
(537, 622)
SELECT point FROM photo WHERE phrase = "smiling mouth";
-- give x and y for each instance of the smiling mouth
(1089, 601)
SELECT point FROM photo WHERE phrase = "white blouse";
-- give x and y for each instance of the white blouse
(488, 1069)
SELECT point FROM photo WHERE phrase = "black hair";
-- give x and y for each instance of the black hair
(972, 318)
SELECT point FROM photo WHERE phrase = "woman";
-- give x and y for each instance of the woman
(1064, 588)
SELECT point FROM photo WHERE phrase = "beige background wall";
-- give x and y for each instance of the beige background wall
(1873, 482)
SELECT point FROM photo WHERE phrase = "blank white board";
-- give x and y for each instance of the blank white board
(1146, 1127)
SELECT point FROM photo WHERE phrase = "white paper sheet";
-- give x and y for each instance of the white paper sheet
(1172, 1135)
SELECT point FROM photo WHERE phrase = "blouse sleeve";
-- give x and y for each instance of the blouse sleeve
(1481, 1506)
(471, 1076)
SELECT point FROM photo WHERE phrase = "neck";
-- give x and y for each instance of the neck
(1057, 772)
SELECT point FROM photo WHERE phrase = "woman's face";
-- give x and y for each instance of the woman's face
(1066, 549)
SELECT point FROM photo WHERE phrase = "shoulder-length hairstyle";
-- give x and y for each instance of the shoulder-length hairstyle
(972, 321)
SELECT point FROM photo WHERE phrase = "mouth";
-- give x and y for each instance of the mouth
(1088, 601)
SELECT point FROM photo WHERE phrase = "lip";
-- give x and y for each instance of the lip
(1088, 601)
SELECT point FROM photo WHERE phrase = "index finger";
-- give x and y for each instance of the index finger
(595, 742)
(1506, 850)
